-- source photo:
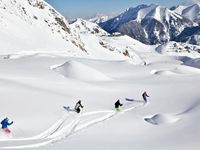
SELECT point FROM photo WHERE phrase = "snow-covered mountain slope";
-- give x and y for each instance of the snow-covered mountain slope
(189, 9)
(35, 25)
(148, 24)
(98, 18)
(190, 35)
(83, 26)
(100, 44)
(180, 49)
(190, 2)
(32, 27)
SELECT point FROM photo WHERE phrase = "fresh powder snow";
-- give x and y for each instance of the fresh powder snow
(47, 64)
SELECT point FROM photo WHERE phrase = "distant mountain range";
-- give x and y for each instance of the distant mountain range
(98, 18)
(154, 24)
(189, 9)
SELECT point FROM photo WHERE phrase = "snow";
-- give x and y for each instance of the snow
(189, 9)
(25, 27)
(79, 71)
(83, 26)
(144, 12)
(162, 119)
(190, 2)
(101, 45)
(193, 62)
(179, 50)
(174, 107)
(176, 71)
(99, 18)
(191, 12)
(162, 14)
(49, 71)
(150, 24)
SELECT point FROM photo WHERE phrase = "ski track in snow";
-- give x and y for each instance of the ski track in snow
(57, 133)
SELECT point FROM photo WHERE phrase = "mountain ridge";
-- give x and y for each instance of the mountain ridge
(154, 24)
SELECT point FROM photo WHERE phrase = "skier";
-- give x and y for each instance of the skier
(117, 105)
(78, 106)
(144, 95)
(5, 125)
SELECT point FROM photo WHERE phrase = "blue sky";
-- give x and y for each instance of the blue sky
(83, 8)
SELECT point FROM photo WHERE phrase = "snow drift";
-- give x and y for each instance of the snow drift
(159, 119)
(79, 71)
(181, 70)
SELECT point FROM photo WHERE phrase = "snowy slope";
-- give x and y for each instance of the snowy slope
(166, 122)
(98, 18)
(189, 9)
(180, 49)
(35, 28)
(102, 45)
(83, 26)
(47, 63)
(148, 24)
(34, 25)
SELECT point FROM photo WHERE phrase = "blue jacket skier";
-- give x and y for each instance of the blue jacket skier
(5, 123)
(144, 95)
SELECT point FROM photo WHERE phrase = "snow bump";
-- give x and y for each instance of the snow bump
(159, 119)
(79, 71)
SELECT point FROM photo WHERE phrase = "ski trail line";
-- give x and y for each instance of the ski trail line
(44, 134)
(72, 128)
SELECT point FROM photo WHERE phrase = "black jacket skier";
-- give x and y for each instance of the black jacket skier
(117, 105)
(78, 106)
(144, 95)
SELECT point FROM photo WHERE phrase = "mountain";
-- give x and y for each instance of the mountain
(150, 24)
(190, 2)
(35, 26)
(189, 9)
(84, 26)
(99, 18)
(32, 27)
(179, 49)
(190, 35)
(102, 45)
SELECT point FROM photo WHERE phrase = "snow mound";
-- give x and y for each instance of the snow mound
(79, 71)
(163, 72)
(161, 119)
(181, 70)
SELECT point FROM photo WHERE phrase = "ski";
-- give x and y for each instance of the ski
(69, 109)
